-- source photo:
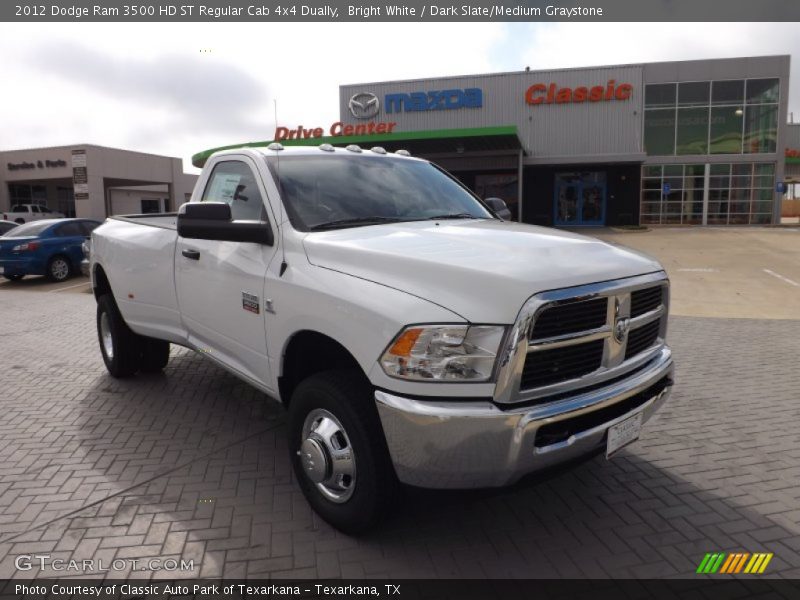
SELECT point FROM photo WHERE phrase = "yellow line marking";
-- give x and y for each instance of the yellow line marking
(749, 567)
(766, 562)
(759, 559)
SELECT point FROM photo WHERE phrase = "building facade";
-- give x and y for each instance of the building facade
(690, 142)
(93, 181)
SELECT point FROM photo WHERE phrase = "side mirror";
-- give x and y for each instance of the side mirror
(213, 221)
(498, 205)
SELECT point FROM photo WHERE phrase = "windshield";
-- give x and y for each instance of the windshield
(327, 192)
(28, 229)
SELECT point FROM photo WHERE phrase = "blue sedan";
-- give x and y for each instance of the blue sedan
(51, 247)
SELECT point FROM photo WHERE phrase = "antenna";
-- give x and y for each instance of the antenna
(280, 198)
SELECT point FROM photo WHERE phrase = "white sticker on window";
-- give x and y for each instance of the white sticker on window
(223, 188)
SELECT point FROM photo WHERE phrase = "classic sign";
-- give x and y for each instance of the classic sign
(540, 93)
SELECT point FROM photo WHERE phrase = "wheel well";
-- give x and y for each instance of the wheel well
(101, 285)
(311, 352)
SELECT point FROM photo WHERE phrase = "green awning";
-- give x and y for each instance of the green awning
(437, 141)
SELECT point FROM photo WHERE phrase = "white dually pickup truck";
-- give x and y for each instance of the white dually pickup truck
(413, 336)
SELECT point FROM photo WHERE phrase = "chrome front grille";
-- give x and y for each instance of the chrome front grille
(570, 339)
(561, 364)
(570, 317)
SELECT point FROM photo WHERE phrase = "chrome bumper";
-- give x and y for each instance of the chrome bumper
(453, 444)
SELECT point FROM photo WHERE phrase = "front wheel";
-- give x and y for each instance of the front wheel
(120, 347)
(155, 355)
(338, 451)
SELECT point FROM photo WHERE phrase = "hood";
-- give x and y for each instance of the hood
(483, 270)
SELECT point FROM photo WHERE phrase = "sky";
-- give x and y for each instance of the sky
(177, 89)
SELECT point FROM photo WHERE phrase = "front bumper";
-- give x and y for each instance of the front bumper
(85, 267)
(452, 444)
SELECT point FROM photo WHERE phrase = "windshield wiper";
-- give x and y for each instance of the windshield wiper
(375, 220)
(451, 216)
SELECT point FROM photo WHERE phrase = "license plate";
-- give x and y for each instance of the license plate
(623, 433)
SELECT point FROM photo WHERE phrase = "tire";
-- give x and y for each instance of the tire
(59, 268)
(154, 355)
(120, 347)
(341, 401)
(13, 277)
(19, 221)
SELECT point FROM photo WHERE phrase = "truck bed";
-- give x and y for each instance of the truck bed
(164, 220)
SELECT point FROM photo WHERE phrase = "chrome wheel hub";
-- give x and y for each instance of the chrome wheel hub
(59, 269)
(327, 456)
(105, 336)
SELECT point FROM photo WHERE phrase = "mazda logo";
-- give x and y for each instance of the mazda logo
(364, 105)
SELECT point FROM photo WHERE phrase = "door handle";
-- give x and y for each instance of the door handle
(192, 254)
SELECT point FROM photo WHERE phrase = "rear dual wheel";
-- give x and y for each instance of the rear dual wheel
(125, 352)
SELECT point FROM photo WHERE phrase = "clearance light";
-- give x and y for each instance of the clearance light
(444, 353)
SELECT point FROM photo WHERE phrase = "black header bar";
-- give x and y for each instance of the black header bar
(276, 11)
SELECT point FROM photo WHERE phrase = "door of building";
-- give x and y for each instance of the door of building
(580, 199)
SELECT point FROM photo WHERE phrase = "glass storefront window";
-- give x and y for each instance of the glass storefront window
(659, 131)
(659, 95)
(651, 184)
(652, 171)
(726, 129)
(734, 196)
(727, 92)
(693, 93)
(741, 116)
(692, 131)
(760, 128)
(762, 91)
(765, 168)
(720, 169)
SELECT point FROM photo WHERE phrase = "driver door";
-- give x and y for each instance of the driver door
(220, 284)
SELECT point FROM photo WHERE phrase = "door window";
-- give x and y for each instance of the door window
(233, 182)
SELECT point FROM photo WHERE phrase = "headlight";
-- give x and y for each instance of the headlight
(86, 246)
(444, 353)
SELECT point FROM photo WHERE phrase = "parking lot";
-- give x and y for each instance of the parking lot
(191, 465)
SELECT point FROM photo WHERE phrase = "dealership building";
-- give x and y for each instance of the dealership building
(700, 142)
(93, 181)
(690, 142)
